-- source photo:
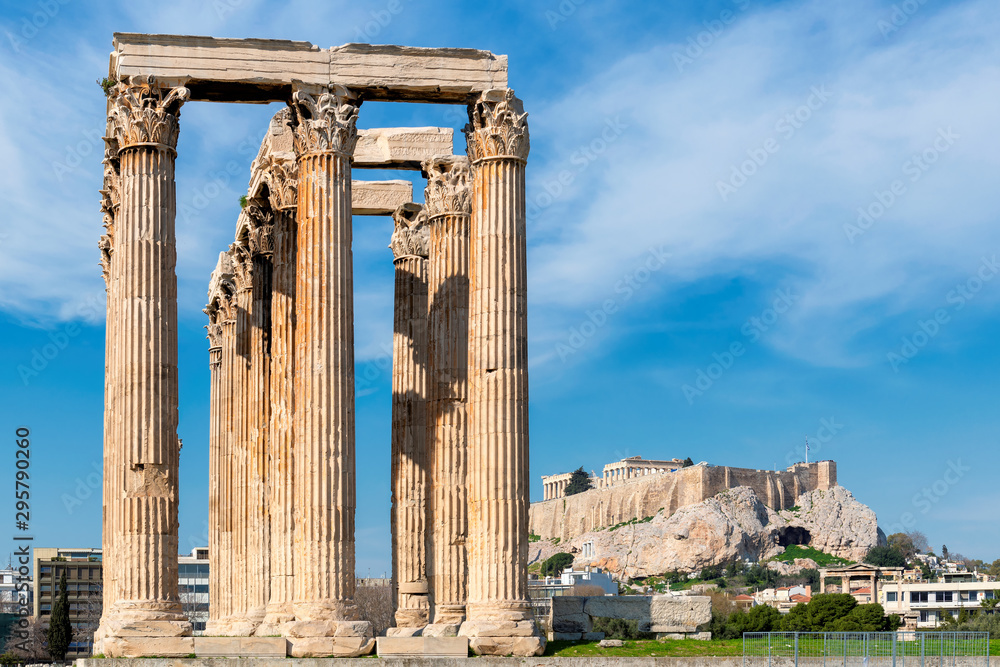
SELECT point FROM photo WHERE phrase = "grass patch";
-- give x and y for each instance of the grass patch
(643, 648)
(630, 522)
(822, 558)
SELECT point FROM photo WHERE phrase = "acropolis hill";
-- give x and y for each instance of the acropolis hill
(638, 488)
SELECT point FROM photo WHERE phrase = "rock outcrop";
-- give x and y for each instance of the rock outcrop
(732, 525)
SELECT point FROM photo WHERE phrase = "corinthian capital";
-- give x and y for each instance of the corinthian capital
(141, 113)
(242, 266)
(410, 237)
(282, 178)
(448, 189)
(325, 123)
(261, 233)
(498, 127)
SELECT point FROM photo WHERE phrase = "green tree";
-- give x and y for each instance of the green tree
(554, 565)
(60, 630)
(820, 614)
(885, 557)
(578, 483)
(811, 578)
(903, 543)
(944, 551)
(762, 618)
(688, 462)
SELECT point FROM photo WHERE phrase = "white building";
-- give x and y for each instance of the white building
(928, 604)
(563, 585)
(192, 580)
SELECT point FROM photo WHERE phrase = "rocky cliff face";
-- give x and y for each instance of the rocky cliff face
(733, 524)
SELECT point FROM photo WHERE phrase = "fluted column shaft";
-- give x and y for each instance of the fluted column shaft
(409, 453)
(220, 595)
(324, 388)
(214, 460)
(447, 206)
(498, 603)
(281, 484)
(141, 376)
(408, 517)
(258, 563)
(242, 418)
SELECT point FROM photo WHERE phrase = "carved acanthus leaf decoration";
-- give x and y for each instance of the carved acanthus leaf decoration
(107, 249)
(243, 266)
(282, 178)
(411, 236)
(326, 123)
(498, 127)
(227, 304)
(448, 187)
(261, 236)
(142, 113)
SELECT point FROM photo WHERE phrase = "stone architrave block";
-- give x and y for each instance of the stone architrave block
(379, 197)
(634, 607)
(670, 613)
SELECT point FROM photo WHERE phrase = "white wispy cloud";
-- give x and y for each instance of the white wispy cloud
(876, 103)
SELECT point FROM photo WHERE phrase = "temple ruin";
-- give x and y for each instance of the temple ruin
(282, 489)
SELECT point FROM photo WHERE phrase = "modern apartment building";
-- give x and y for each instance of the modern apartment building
(924, 604)
(192, 585)
(83, 588)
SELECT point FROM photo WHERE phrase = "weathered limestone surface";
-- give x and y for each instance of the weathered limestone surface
(379, 197)
(401, 147)
(260, 242)
(499, 618)
(409, 246)
(221, 310)
(448, 208)
(325, 493)
(423, 647)
(657, 613)
(644, 496)
(263, 70)
(141, 464)
(281, 179)
(733, 525)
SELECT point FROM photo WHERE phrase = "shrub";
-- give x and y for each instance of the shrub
(554, 565)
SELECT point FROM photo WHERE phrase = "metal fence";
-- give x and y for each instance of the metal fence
(866, 649)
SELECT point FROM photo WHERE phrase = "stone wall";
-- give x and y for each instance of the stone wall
(573, 616)
(566, 518)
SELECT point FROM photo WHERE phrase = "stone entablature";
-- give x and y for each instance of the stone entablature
(645, 495)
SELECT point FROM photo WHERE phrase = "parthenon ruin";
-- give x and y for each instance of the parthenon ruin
(281, 350)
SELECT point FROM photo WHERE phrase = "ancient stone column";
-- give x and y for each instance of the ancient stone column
(214, 441)
(260, 240)
(408, 516)
(326, 617)
(141, 464)
(221, 560)
(241, 440)
(499, 617)
(281, 178)
(448, 207)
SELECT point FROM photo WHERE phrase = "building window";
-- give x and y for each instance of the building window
(923, 617)
(918, 596)
(973, 596)
(890, 596)
(945, 596)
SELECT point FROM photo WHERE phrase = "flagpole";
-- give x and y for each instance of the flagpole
(807, 450)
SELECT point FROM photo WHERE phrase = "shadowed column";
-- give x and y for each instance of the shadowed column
(447, 207)
(281, 179)
(408, 516)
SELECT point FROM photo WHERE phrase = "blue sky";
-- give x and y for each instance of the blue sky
(749, 223)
